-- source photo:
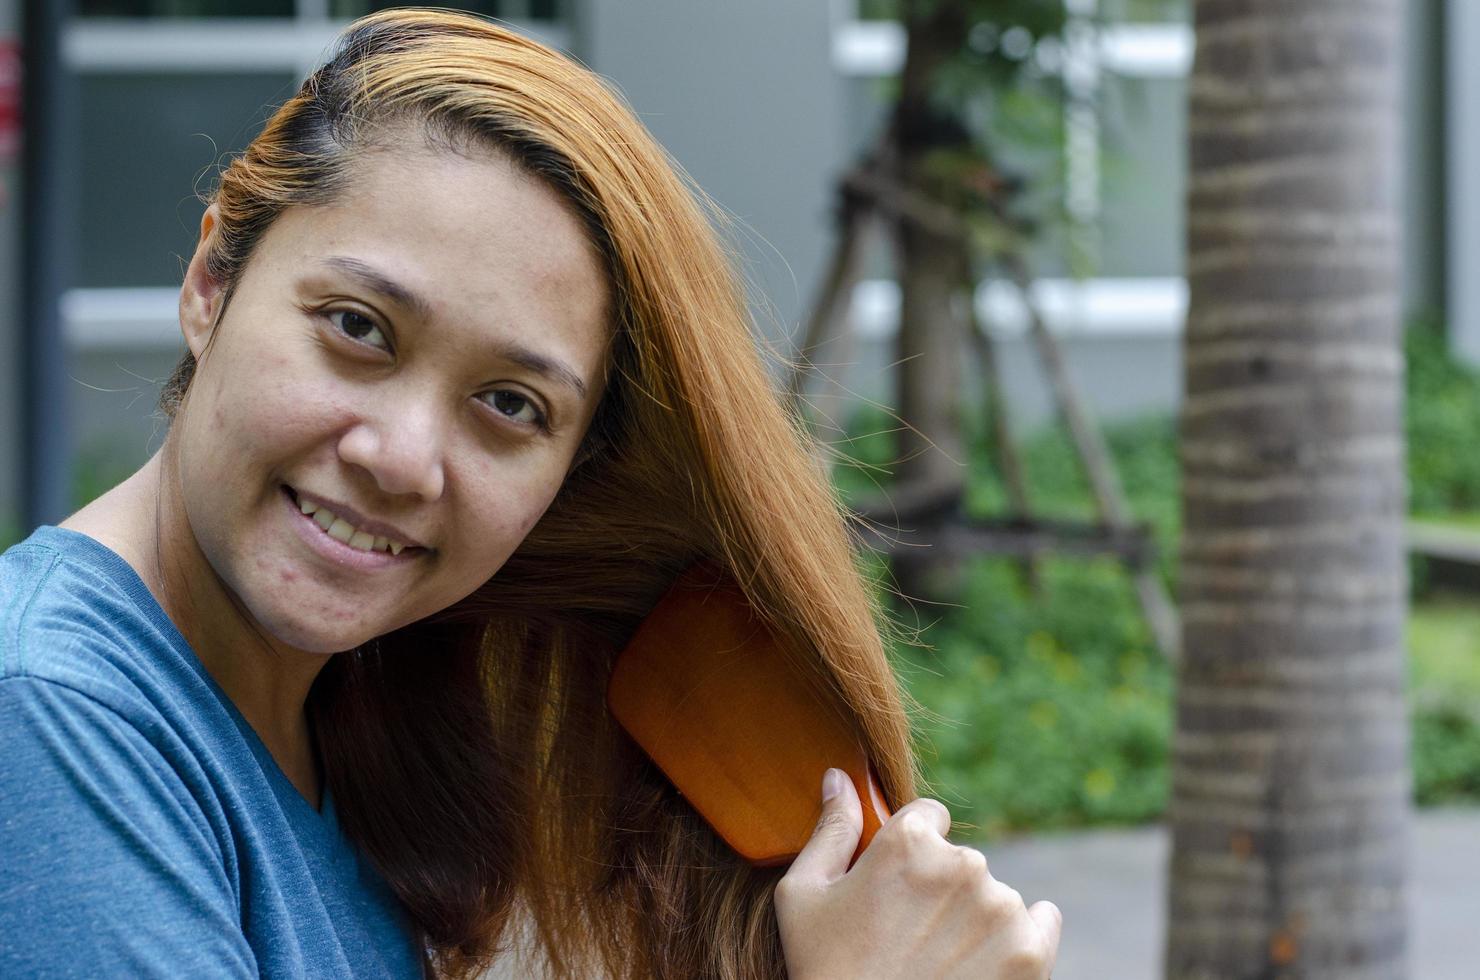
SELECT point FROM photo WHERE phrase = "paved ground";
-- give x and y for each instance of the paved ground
(1110, 886)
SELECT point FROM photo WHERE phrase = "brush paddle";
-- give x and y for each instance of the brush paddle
(709, 693)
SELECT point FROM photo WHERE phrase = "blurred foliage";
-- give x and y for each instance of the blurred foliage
(1443, 416)
(1052, 711)
(988, 121)
(1055, 710)
(997, 115)
(1147, 11)
(1444, 678)
(98, 468)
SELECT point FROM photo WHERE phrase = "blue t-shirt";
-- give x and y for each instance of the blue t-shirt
(145, 830)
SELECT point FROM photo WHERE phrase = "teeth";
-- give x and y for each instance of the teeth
(342, 530)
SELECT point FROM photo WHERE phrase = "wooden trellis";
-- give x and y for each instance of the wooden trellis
(933, 515)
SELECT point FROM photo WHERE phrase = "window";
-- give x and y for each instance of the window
(531, 10)
(186, 8)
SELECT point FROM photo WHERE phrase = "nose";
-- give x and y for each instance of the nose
(400, 445)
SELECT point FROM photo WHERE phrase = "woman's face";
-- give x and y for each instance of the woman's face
(414, 365)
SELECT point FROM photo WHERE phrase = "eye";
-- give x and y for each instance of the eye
(359, 327)
(516, 407)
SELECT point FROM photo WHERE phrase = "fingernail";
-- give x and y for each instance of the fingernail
(832, 784)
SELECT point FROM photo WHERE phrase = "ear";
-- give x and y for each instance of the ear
(200, 294)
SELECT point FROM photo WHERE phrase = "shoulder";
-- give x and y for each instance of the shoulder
(93, 688)
(105, 855)
(81, 785)
(70, 613)
(65, 750)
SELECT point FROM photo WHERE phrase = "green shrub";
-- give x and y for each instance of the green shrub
(1055, 710)
(1444, 686)
(1446, 754)
(1443, 424)
(1048, 709)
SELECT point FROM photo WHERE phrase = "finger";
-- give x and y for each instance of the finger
(1051, 921)
(933, 812)
(825, 857)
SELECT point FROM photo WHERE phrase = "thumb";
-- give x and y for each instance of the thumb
(1051, 921)
(825, 857)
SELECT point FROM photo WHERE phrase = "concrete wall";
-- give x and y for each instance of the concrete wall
(1119, 376)
(745, 98)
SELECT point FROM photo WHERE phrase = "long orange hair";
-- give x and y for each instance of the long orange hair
(471, 756)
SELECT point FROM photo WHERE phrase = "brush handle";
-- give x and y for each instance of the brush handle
(738, 719)
(875, 810)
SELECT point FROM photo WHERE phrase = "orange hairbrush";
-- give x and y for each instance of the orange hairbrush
(706, 689)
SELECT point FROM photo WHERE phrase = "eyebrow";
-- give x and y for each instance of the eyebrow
(377, 281)
(373, 279)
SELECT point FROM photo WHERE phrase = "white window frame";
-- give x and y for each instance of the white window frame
(273, 44)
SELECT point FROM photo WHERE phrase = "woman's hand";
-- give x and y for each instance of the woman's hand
(914, 905)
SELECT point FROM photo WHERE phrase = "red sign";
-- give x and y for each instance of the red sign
(10, 98)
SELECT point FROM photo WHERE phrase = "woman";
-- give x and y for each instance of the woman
(319, 690)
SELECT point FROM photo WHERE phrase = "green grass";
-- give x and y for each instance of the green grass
(1464, 522)
(1444, 638)
(1444, 683)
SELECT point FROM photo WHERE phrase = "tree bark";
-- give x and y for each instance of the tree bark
(1290, 779)
(931, 268)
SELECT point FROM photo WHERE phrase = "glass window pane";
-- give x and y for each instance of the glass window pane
(1142, 171)
(186, 8)
(147, 140)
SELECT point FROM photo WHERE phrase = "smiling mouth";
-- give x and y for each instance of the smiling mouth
(343, 531)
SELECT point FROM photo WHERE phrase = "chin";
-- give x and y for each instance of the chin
(319, 637)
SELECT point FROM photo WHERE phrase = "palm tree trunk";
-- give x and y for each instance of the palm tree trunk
(1290, 780)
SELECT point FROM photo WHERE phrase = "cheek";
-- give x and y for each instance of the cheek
(508, 521)
(511, 503)
(272, 409)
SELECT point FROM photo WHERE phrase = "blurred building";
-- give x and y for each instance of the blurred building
(764, 103)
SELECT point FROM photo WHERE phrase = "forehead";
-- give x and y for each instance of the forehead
(487, 245)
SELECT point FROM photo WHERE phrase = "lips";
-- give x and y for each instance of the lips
(342, 524)
(338, 551)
